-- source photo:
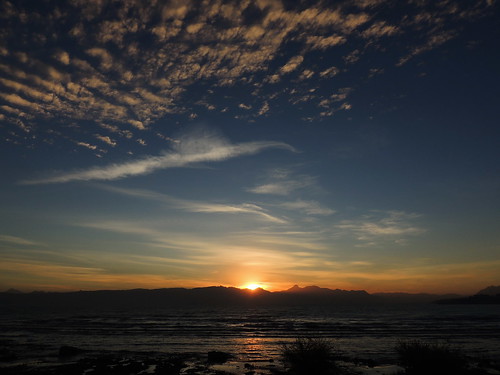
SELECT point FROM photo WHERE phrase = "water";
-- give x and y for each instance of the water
(254, 333)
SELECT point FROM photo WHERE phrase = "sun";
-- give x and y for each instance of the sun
(253, 286)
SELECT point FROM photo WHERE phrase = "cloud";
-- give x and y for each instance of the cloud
(190, 150)
(106, 275)
(87, 145)
(17, 240)
(322, 43)
(264, 109)
(106, 139)
(198, 206)
(132, 65)
(394, 225)
(227, 251)
(309, 207)
(283, 182)
(248, 208)
(380, 29)
(330, 72)
(431, 43)
(292, 64)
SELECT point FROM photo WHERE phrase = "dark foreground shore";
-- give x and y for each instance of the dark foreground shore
(73, 361)
(192, 364)
(214, 363)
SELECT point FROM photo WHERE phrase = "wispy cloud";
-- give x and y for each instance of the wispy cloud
(191, 150)
(309, 207)
(227, 251)
(283, 182)
(248, 208)
(16, 240)
(198, 206)
(395, 225)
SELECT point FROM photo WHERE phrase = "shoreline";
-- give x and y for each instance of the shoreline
(192, 363)
(73, 361)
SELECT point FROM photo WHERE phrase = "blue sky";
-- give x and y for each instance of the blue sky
(349, 145)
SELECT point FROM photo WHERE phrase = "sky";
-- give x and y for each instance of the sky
(346, 144)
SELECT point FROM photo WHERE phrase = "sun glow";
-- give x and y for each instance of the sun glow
(253, 286)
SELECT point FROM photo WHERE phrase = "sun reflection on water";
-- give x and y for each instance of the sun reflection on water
(257, 348)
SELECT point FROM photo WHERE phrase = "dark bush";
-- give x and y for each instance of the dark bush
(418, 358)
(306, 356)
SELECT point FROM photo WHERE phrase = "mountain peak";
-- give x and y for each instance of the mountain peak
(307, 289)
(13, 291)
(490, 291)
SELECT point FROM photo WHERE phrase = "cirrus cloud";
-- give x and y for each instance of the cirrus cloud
(191, 150)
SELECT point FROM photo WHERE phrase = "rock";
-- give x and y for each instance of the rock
(218, 357)
(171, 366)
(69, 351)
(7, 355)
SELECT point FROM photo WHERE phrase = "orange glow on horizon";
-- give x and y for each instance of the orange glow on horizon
(253, 286)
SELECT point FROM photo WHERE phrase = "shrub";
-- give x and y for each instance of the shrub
(306, 356)
(418, 358)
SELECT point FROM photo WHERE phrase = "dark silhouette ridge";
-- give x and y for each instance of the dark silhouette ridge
(414, 297)
(206, 297)
(216, 296)
(313, 289)
(13, 291)
(490, 291)
(478, 299)
(486, 296)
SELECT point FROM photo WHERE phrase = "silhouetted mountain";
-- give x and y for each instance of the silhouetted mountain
(216, 296)
(294, 289)
(308, 289)
(313, 289)
(413, 297)
(314, 295)
(477, 299)
(361, 295)
(486, 296)
(213, 297)
(13, 291)
(490, 291)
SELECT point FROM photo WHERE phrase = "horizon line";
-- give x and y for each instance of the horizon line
(242, 288)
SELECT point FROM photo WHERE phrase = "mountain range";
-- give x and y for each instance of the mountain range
(220, 296)
(487, 296)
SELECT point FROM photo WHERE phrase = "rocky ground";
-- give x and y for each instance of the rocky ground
(73, 361)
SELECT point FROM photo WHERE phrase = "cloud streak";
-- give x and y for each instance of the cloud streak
(189, 151)
(16, 240)
(197, 206)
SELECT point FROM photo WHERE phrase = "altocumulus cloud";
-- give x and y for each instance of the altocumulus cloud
(122, 65)
(192, 149)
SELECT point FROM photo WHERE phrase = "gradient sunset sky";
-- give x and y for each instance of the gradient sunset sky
(346, 144)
